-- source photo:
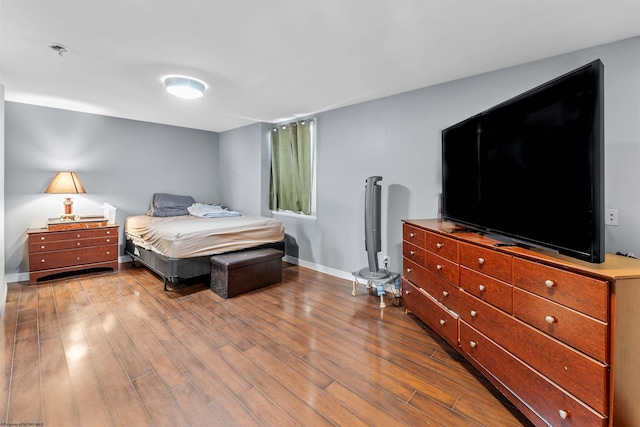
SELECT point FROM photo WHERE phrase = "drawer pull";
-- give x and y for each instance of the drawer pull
(474, 313)
(412, 253)
(78, 244)
(108, 232)
(563, 414)
(109, 241)
(549, 283)
(412, 235)
(77, 258)
(78, 235)
(439, 245)
(480, 261)
(439, 266)
(406, 291)
(42, 247)
(42, 238)
(482, 288)
(42, 260)
(108, 253)
(442, 322)
(550, 320)
(409, 270)
(472, 344)
(445, 294)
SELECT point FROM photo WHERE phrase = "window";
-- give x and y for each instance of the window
(293, 167)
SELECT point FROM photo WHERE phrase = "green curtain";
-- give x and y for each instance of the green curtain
(292, 167)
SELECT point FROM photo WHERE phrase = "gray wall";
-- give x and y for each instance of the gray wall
(241, 169)
(122, 162)
(399, 138)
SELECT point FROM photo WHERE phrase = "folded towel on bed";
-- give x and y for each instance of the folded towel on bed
(211, 211)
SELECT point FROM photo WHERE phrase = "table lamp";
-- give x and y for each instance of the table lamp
(66, 183)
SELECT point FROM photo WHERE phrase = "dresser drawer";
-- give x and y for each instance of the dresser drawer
(551, 402)
(489, 262)
(413, 253)
(442, 246)
(493, 291)
(442, 291)
(434, 315)
(585, 377)
(413, 235)
(70, 244)
(72, 257)
(582, 293)
(442, 268)
(414, 272)
(577, 330)
(73, 235)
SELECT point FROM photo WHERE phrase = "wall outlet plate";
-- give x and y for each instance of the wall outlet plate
(611, 217)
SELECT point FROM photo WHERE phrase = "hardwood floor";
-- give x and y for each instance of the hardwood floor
(114, 349)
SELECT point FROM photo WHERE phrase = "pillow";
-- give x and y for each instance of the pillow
(163, 204)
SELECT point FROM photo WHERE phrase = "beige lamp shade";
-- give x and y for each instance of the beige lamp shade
(65, 183)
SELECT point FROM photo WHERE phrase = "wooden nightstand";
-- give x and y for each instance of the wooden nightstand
(60, 251)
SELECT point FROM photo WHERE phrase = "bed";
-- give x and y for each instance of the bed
(177, 236)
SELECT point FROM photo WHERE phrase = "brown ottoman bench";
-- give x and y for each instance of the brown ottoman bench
(238, 272)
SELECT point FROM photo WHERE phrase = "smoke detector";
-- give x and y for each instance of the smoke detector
(60, 49)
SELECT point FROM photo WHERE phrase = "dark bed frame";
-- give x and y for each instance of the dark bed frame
(177, 270)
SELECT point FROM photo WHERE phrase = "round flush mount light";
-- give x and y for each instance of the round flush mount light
(184, 87)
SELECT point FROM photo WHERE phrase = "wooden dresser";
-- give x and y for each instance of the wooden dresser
(53, 252)
(559, 337)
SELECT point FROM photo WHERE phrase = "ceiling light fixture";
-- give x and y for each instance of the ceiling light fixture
(184, 87)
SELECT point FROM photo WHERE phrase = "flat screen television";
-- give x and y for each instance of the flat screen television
(531, 170)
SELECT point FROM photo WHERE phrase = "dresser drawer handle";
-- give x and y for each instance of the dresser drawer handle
(42, 260)
(442, 322)
(480, 261)
(473, 344)
(108, 232)
(550, 320)
(445, 294)
(406, 291)
(78, 244)
(439, 245)
(77, 258)
(563, 414)
(42, 238)
(474, 313)
(109, 241)
(412, 253)
(439, 267)
(412, 235)
(409, 270)
(482, 288)
(78, 235)
(42, 247)
(108, 253)
(549, 283)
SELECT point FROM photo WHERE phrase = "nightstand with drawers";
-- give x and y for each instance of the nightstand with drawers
(60, 251)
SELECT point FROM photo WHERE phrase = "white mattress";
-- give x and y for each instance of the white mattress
(190, 236)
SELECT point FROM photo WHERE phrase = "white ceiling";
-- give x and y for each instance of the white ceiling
(272, 60)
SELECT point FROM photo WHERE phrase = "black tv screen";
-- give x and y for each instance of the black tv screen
(531, 170)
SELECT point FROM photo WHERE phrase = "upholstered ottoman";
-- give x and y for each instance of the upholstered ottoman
(238, 272)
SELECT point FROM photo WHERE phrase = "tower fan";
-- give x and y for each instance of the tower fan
(372, 238)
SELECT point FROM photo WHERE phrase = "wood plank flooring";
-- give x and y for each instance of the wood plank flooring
(113, 349)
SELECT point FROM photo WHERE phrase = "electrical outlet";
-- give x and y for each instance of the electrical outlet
(611, 217)
(386, 262)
